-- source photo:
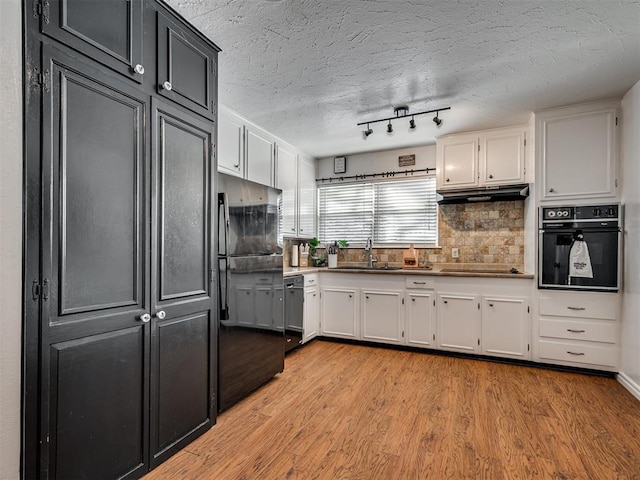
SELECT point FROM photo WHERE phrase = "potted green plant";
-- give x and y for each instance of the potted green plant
(313, 253)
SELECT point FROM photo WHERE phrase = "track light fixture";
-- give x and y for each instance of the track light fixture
(402, 111)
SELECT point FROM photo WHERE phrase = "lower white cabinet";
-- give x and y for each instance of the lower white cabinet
(339, 307)
(382, 316)
(458, 317)
(420, 318)
(579, 329)
(311, 317)
(505, 326)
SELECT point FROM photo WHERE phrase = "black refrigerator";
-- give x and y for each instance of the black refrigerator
(251, 321)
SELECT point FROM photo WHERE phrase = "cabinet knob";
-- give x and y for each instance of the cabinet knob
(365, 295)
(314, 294)
(413, 299)
(491, 304)
(444, 301)
(551, 190)
(144, 318)
(447, 180)
(161, 314)
(167, 86)
(138, 69)
(237, 165)
(350, 295)
(293, 229)
(490, 176)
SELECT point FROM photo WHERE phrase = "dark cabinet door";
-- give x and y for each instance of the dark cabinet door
(183, 357)
(186, 67)
(109, 31)
(94, 345)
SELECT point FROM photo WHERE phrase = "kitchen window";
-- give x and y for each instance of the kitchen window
(390, 212)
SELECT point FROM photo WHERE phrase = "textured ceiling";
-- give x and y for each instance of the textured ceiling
(310, 70)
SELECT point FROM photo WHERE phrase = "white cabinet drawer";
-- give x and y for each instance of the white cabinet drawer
(580, 306)
(595, 354)
(311, 280)
(593, 331)
(415, 281)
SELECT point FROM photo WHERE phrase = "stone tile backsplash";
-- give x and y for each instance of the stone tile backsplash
(487, 232)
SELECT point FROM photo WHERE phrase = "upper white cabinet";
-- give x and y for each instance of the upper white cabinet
(477, 159)
(576, 148)
(457, 161)
(245, 150)
(259, 150)
(287, 181)
(306, 197)
(502, 156)
(296, 177)
(230, 143)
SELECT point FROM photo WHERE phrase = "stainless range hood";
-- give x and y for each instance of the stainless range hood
(484, 194)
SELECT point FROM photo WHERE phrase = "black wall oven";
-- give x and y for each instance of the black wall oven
(560, 227)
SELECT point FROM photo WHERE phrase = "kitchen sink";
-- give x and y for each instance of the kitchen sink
(351, 267)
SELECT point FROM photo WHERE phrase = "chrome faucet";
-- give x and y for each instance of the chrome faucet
(369, 248)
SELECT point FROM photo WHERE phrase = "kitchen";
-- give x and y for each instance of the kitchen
(625, 167)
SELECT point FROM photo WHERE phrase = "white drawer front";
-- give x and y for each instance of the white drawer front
(311, 280)
(593, 306)
(415, 281)
(593, 331)
(605, 355)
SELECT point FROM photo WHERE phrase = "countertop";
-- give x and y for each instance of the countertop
(464, 270)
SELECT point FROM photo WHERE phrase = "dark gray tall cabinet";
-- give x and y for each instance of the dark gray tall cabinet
(119, 295)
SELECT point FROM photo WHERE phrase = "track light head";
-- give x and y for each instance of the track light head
(367, 132)
(437, 120)
(412, 124)
(389, 127)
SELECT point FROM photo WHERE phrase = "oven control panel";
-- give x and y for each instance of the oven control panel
(582, 212)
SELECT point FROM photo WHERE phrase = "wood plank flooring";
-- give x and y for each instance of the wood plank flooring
(342, 411)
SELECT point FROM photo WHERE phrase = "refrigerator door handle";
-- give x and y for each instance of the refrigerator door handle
(223, 205)
(224, 307)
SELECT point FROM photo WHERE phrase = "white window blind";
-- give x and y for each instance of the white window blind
(398, 211)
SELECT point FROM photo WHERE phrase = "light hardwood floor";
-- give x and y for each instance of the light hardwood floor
(343, 411)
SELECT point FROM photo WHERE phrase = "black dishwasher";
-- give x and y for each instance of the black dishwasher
(293, 311)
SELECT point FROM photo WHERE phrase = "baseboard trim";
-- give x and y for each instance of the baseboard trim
(629, 384)
(473, 356)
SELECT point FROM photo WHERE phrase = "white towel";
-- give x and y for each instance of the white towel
(579, 260)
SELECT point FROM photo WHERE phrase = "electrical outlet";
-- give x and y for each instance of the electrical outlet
(454, 253)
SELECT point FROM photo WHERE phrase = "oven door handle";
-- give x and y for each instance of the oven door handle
(583, 230)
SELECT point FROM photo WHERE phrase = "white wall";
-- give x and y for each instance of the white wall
(10, 235)
(378, 162)
(630, 371)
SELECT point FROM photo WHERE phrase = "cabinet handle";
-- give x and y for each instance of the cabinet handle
(167, 86)
(293, 229)
(289, 286)
(447, 180)
(312, 281)
(491, 304)
(413, 299)
(490, 176)
(144, 318)
(575, 331)
(419, 283)
(237, 165)
(365, 296)
(161, 314)
(350, 295)
(551, 190)
(139, 69)
(575, 353)
(301, 230)
(444, 301)
(576, 308)
(314, 294)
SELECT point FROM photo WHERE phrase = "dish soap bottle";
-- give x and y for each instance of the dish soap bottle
(410, 257)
